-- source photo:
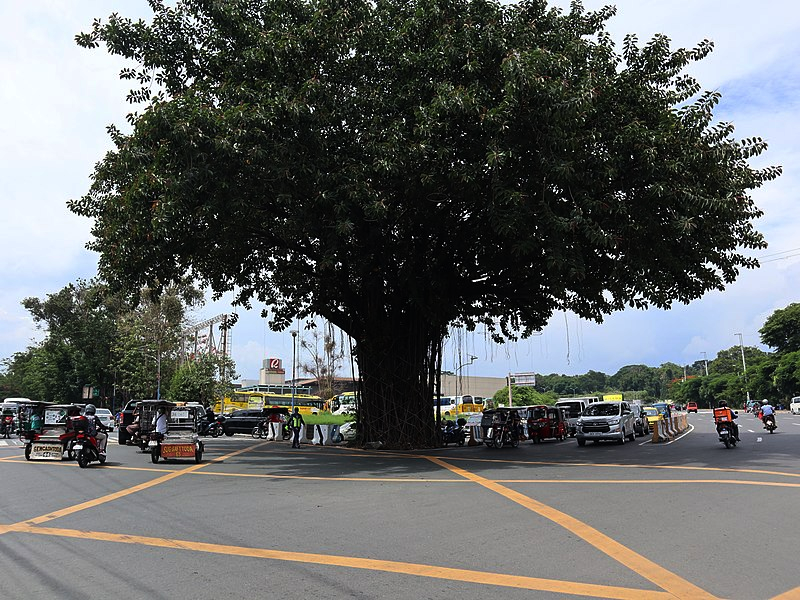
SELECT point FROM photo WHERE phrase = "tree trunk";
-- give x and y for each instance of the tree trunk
(398, 361)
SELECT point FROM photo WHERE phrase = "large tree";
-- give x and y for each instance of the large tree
(782, 329)
(401, 167)
(80, 326)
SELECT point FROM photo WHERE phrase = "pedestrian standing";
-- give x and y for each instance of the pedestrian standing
(296, 422)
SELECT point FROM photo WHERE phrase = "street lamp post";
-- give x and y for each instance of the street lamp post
(460, 388)
(705, 362)
(158, 375)
(294, 352)
(744, 368)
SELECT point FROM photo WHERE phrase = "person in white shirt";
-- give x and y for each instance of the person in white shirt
(160, 421)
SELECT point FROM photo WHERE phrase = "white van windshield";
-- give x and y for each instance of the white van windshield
(601, 409)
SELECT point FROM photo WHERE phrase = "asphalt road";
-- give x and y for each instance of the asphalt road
(688, 519)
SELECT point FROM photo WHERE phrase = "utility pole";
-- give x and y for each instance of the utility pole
(294, 347)
(705, 361)
(744, 367)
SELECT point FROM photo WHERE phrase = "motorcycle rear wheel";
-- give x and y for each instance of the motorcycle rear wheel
(216, 432)
(727, 442)
(498, 440)
(256, 433)
(154, 456)
(83, 459)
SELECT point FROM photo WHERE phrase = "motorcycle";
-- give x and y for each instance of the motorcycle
(86, 450)
(213, 428)
(769, 423)
(505, 434)
(7, 426)
(453, 432)
(725, 433)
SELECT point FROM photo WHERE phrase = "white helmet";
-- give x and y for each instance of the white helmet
(90, 409)
(765, 401)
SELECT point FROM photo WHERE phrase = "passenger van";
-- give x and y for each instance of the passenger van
(606, 421)
(573, 407)
(794, 406)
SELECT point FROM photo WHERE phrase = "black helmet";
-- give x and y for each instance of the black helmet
(90, 410)
(723, 403)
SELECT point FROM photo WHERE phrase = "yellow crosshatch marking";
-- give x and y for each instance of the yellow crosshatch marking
(671, 584)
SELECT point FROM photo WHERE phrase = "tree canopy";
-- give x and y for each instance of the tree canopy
(782, 329)
(402, 167)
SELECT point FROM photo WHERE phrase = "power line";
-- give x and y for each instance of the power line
(778, 253)
(780, 258)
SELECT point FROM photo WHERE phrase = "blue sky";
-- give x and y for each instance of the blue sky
(57, 100)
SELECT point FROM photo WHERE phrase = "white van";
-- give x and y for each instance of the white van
(573, 407)
(795, 405)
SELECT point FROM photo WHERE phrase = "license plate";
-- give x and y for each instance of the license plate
(152, 444)
(592, 433)
(177, 450)
(47, 451)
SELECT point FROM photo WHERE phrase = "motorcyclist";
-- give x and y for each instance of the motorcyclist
(7, 424)
(515, 424)
(767, 410)
(732, 420)
(135, 425)
(208, 419)
(96, 429)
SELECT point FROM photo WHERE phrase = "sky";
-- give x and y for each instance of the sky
(57, 100)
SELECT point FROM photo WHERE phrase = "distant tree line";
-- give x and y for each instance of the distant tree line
(772, 375)
(121, 349)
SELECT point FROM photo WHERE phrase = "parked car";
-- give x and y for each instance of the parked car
(691, 407)
(641, 424)
(606, 421)
(794, 406)
(105, 416)
(243, 421)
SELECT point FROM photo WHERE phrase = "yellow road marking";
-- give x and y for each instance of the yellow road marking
(665, 579)
(649, 481)
(389, 566)
(320, 478)
(617, 465)
(425, 480)
(126, 492)
(789, 595)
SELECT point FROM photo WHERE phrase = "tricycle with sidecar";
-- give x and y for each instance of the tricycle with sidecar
(47, 430)
(505, 427)
(181, 439)
(546, 422)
